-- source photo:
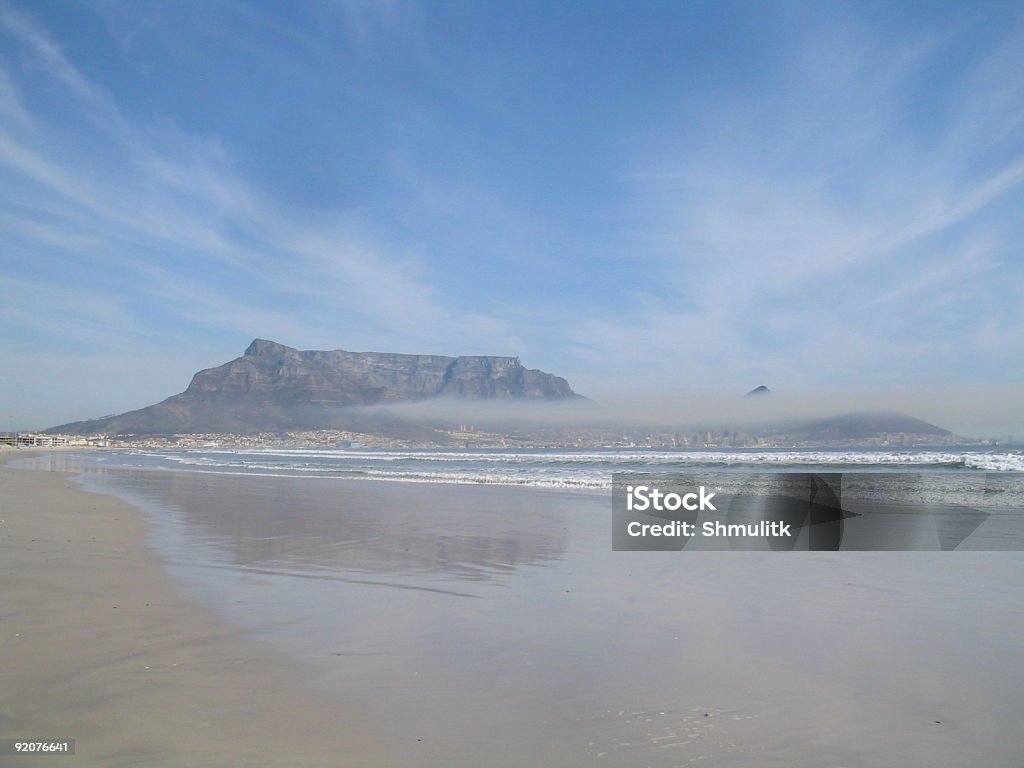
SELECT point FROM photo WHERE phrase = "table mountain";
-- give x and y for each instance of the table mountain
(273, 387)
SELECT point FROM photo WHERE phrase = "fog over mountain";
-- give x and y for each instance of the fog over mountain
(980, 412)
(789, 421)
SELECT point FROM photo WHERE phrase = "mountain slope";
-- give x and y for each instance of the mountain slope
(862, 425)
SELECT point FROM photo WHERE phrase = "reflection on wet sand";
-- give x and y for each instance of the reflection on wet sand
(358, 526)
(297, 524)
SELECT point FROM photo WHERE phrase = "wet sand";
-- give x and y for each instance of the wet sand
(98, 644)
(443, 626)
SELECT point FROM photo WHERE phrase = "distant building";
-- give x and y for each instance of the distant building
(32, 440)
(35, 440)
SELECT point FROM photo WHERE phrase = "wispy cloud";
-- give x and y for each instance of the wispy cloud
(174, 202)
(827, 235)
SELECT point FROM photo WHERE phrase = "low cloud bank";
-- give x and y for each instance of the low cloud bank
(981, 413)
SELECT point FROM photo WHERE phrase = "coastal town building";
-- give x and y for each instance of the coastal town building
(36, 440)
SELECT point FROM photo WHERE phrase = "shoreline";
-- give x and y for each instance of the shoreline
(101, 645)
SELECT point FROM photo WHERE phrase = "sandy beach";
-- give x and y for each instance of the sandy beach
(244, 620)
(99, 645)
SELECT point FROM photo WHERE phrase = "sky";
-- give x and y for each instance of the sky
(652, 199)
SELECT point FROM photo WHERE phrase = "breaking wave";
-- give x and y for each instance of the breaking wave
(552, 469)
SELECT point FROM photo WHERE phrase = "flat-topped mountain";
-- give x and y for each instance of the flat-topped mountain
(273, 387)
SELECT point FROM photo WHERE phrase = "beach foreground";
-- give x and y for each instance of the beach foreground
(309, 622)
(99, 645)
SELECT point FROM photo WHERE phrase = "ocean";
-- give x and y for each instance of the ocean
(548, 468)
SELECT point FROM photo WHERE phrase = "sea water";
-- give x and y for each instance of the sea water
(549, 468)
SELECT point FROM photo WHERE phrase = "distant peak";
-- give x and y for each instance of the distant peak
(758, 391)
(261, 347)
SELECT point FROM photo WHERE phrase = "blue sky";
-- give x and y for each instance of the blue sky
(642, 197)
